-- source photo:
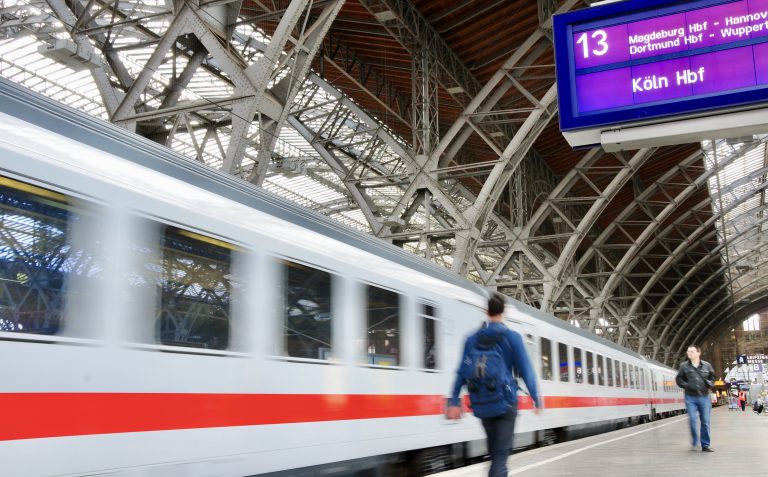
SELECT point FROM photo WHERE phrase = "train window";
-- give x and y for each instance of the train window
(632, 377)
(624, 375)
(617, 373)
(307, 309)
(609, 371)
(546, 359)
(530, 347)
(578, 365)
(383, 330)
(430, 335)
(195, 285)
(590, 367)
(563, 352)
(600, 370)
(36, 257)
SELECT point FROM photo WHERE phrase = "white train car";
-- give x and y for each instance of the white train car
(589, 383)
(666, 397)
(158, 318)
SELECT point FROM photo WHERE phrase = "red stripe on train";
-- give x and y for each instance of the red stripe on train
(36, 415)
(39, 415)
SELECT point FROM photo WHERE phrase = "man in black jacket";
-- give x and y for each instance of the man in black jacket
(697, 377)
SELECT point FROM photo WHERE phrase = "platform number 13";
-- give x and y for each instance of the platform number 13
(599, 42)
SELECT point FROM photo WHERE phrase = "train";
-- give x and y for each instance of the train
(161, 318)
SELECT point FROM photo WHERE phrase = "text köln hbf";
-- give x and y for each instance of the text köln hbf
(657, 82)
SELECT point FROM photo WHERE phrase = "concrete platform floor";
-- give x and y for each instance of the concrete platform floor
(661, 448)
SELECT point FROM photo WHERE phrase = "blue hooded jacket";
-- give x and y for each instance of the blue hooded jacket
(514, 355)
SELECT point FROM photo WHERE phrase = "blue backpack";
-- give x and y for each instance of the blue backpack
(488, 379)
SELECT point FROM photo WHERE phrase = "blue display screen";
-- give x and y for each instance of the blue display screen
(639, 60)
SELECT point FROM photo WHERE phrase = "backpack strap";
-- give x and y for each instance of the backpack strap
(487, 342)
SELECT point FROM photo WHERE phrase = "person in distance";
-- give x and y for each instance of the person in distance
(697, 378)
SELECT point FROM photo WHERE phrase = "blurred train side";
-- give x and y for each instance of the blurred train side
(104, 394)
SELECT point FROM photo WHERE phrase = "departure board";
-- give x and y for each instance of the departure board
(638, 60)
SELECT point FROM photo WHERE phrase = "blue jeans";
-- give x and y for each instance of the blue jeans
(699, 408)
(501, 433)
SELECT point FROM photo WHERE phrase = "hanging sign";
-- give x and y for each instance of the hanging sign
(641, 60)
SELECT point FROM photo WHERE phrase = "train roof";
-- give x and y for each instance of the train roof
(549, 319)
(44, 112)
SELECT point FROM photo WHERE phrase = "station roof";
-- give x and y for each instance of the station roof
(431, 124)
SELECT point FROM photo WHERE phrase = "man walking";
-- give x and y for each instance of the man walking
(697, 377)
(490, 358)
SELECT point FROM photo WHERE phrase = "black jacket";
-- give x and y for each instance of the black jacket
(696, 381)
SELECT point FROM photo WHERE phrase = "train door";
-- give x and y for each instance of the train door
(654, 394)
(529, 336)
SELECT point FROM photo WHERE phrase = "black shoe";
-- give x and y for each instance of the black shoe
(707, 449)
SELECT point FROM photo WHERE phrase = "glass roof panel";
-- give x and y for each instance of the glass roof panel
(739, 201)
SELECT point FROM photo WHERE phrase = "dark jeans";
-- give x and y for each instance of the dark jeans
(699, 408)
(501, 432)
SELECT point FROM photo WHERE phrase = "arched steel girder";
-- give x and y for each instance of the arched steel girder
(327, 140)
(129, 25)
(404, 23)
(187, 21)
(202, 30)
(268, 67)
(523, 242)
(752, 231)
(755, 306)
(579, 175)
(481, 105)
(513, 155)
(293, 65)
(712, 258)
(108, 94)
(686, 242)
(697, 235)
(642, 202)
(631, 257)
(722, 306)
(720, 309)
(520, 241)
(598, 206)
(251, 82)
(509, 159)
(234, 69)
